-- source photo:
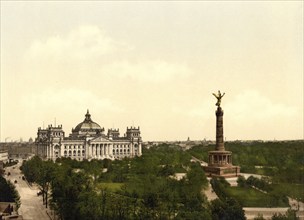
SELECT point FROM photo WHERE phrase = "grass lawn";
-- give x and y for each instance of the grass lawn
(111, 186)
(295, 191)
(249, 197)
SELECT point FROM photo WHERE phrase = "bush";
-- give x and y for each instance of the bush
(241, 181)
(8, 192)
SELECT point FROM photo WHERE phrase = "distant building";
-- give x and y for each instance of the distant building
(3, 159)
(88, 141)
(4, 156)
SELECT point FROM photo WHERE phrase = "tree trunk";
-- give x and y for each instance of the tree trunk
(46, 199)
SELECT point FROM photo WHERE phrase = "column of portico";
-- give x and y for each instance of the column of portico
(93, 151)
(89, 152)
(48, 151)
(97, 150)
(110, 150)
(101, 150)
(105, 150)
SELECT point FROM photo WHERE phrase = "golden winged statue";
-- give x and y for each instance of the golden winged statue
(219, 97)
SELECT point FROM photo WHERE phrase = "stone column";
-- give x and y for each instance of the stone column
(219, 130)
(110, 150)
(105, 150)
(98, 146)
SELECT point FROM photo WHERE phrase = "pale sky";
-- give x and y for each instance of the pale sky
(153, 65)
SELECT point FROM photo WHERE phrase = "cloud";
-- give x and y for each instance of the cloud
(253, 106)
(148, 70)
(90, 51)
(81, 44)
(68, 100)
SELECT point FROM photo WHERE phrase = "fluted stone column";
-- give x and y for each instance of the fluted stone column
(105, 149)
(219, 130)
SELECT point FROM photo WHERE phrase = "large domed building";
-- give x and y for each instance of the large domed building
(88, 141)
(87, 127)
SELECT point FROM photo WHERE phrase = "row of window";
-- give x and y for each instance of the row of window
(93, 145)
(57, 134)
(73, 146)
(74, 153)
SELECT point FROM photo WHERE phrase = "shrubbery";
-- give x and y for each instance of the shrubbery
(8, 192)
(148, 189)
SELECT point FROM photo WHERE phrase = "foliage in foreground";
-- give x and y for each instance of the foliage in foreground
(8, 192)
(147, 188)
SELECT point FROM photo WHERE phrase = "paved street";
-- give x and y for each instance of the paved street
(210, 194)
(31, 205)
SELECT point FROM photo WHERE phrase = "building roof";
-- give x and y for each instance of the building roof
(87, 125)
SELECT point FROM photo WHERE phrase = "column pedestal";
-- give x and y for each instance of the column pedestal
(220, 160)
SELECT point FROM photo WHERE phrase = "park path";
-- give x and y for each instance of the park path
(252, 212)
(31, 205)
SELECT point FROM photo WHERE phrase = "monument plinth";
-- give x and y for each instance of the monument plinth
(220, 160)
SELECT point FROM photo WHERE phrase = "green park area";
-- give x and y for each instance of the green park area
(282, 162)
(144, 187)
(113, 187)
(250, 197)
(295, 191)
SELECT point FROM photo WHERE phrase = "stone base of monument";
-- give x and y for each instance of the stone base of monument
(220, 164)
(229, 171)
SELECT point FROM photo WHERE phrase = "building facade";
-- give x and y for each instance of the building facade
(4, 156)
(88, 141)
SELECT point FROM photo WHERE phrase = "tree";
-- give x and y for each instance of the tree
(44, 179)
(8, 192)
(66, 189)
(241, 181)
(31, 168)
(289, 215)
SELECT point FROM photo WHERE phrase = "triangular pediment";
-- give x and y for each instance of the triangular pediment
(100, 139)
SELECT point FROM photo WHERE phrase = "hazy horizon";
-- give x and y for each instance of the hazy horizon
(153, 65)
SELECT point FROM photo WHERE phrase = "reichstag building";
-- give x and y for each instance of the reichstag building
(88, 141)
